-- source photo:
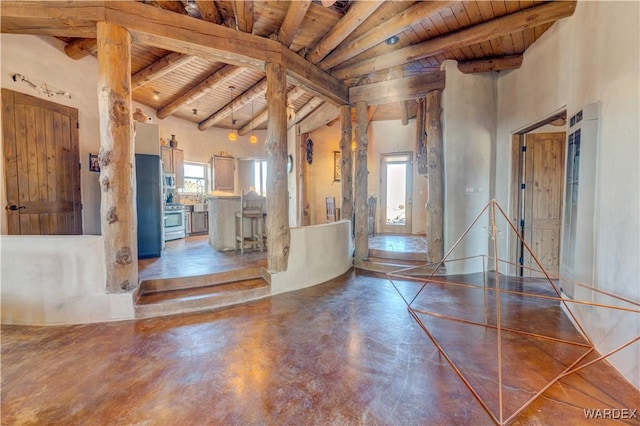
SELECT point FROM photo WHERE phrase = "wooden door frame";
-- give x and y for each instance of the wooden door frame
(518, 139)
(409, 196)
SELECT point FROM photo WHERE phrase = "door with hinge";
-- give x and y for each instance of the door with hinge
(541, 201)
(395, 193)
(41, 160)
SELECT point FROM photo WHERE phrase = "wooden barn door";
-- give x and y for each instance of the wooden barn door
(41, 162)
(544, 182)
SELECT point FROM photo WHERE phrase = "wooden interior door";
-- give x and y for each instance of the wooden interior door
(41, 159)
(544, 182)
(396, 178)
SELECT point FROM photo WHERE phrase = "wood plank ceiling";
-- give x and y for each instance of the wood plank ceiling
(348, 39)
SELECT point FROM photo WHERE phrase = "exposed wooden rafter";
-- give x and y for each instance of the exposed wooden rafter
(292, 20)
(397, 90)
(255, 91)
(162, 66)
(493, 64)
(537, 15)
(243, 10)
(81, 48)
(209, 11)
(259, 119)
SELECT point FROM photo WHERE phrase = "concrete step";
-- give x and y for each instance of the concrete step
(397, 256)
(177, 296)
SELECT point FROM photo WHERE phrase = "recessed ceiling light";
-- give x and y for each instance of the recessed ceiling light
(393, 40)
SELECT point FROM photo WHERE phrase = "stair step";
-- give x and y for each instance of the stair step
(199, 298)
(177, 283)
(398, 255)
(418, 269)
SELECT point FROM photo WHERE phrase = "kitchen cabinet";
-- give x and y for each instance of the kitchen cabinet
(173, 162)
(199, 222)
(223, 174)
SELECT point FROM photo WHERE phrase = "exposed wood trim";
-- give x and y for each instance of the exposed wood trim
(216, 79)
(256, 90)
(77, 19)
(321, 116)
(292, 20)
(162, 66)
(307, 109)
(243, 10)
(293, 94)
(371, 111)
(355, 16)
(81, 48)
(421, 11)
(277, 221)
(401, 89)
(346, 163)
(209, 11)
(361, 186)
(534, 16)
(494, 64)
(117, 205)
(316, 81)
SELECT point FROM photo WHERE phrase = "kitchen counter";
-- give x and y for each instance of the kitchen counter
(222, 226)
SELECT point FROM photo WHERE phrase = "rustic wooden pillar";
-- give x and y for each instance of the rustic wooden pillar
(362, 175)
(435, 178)
(277, 222)
(346, 164)
(116, 158)
(421, 138)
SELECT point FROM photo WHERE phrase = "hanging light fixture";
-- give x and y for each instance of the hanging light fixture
(252, 138)
(232, 135)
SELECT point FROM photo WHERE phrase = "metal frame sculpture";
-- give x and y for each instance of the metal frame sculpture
(436, 277)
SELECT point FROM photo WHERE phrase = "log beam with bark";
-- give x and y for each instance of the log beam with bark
(435, 178)
(361, 186)
(346, 163)
(117, 201)
(400, 89)
(277, 222)
(494, 64)
(292, 20)
(81, 48)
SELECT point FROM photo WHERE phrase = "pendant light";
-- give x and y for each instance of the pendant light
(232, 135)
(252, 138)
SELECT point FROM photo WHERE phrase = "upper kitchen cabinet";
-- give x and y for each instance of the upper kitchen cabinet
(223, 175)
(173, 162)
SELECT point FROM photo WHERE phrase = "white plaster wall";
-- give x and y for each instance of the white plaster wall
(57, 280)
(575, 63)
(468, 120)
(317, 254)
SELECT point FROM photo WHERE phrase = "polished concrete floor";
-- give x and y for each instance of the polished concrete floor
(340, 353)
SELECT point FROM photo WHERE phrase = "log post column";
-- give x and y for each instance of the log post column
(362, 176)
(346, 164)
(435, 178)
(277, 223)
(116, 158)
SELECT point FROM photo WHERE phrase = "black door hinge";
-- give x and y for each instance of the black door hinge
(524, 149)
(523, 185)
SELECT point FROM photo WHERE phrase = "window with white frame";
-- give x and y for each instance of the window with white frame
(196, 178)
(260, 177)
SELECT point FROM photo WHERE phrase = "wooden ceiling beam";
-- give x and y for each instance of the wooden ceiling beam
(292, 95)
(77, 19)
(172, 5)
(209, 11)
(304, 73)
(243, 10)
(307, 109)
(292, 20)
(493, 64)
(321, 116)
(395, 25)
(162, 66)
(216, 79)
(81, 48)
(257, 90)
(519, 21)
(355, 16)
(401, 89)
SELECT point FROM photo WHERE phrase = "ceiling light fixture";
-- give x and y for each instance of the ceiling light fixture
(232, 135)
(393, 40)
(156, 95)
(252, 138)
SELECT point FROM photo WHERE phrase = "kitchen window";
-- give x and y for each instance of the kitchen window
(260, 177)
(195, 178)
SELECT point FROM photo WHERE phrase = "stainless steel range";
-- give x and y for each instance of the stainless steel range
(174, 221)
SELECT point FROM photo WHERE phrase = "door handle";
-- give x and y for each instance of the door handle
(14, 207)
